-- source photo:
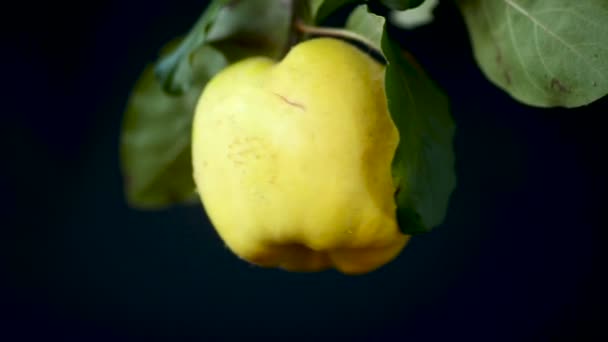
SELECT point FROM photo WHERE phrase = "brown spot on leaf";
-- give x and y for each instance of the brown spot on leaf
(507, 76)
(505, 70)
(559, 86)
(498, 57)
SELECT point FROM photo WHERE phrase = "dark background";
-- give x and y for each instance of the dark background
(518, 257)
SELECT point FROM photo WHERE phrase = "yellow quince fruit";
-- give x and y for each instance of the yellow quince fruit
(292, 160)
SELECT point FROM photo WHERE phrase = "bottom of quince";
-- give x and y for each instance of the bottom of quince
(295, 257)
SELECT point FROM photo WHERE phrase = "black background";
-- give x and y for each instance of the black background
(518, 257)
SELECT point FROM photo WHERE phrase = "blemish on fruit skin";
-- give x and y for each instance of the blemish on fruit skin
(289, 102)
(250, 150)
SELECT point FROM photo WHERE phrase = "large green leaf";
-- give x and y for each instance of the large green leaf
(423, 167)
(543, 53)
(424, 162)
(155, 141)
(239, 28)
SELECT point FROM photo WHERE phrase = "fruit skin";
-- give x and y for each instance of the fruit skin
(292, 160)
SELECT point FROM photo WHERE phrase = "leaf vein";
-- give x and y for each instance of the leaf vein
(535, 21)
(518, 53)
(540, 54)
(571, 12)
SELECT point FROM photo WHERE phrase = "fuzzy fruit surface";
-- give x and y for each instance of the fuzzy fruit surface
(292, 160)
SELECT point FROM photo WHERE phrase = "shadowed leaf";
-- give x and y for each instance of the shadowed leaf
(155, 141)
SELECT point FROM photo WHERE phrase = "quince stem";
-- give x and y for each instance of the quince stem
(343, 34)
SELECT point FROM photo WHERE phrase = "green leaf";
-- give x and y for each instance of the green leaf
(423, 168)
(175, 70)
(252, 28)
(238, 28)
(155, 141)
(543, 53)
(367, 25)
(401, 5)
(414, 17)
(322, 9)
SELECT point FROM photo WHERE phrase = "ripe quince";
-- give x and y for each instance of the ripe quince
(292, 160)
